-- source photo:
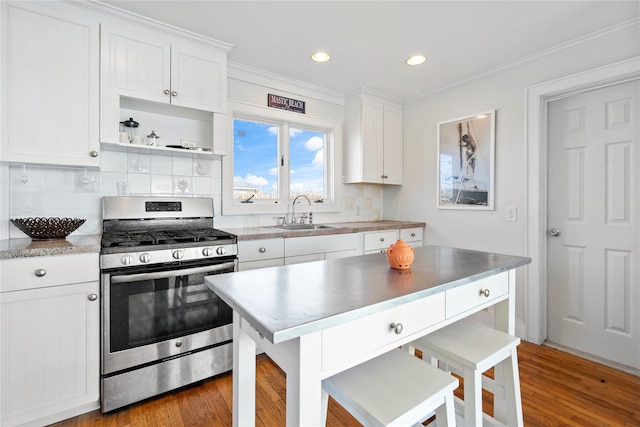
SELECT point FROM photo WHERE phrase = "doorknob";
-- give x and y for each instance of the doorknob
(554, 232)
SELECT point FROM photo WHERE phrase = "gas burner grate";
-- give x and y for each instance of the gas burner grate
(162, 237)
(126, 239)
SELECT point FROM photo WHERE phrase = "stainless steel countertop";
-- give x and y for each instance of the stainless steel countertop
(286, 302)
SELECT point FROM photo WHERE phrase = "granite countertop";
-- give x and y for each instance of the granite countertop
(24, 248)
(283, 303)
(269, 232)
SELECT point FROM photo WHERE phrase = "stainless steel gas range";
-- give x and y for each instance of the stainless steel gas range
(162, 328)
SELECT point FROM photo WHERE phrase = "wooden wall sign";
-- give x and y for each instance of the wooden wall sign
(284, 103)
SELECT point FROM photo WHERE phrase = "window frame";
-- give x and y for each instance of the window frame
(285, 119)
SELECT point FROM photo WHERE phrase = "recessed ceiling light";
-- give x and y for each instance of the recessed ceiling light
(321, 57)
(416, 59)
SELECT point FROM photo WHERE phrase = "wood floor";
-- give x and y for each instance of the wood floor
(558, 389)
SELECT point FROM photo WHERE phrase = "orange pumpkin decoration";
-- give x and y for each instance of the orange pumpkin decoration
(400, 255)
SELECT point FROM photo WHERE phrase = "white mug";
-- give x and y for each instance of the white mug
(124, 137)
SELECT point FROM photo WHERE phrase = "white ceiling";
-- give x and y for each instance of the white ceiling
(370, 40)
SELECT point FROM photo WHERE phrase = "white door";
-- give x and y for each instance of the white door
(593, 220)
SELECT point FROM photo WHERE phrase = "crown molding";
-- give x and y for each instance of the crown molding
(278, 82)
(607, 32)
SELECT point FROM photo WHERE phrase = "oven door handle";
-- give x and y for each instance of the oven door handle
(166, 274)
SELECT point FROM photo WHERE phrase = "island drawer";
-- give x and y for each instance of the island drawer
(481, 292)
(19, 274)
(355, 339)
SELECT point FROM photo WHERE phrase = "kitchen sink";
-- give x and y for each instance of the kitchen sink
(297, 227)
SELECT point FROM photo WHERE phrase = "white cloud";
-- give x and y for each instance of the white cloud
(273, 171)
(294, 132)
(258, 181)
(273, 130)
(318, 160)
(298, 188)
(314, 143)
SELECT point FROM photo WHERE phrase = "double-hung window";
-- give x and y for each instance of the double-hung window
(275, 156)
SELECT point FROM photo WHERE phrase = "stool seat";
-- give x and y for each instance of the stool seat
(468, 349)
(394, 389)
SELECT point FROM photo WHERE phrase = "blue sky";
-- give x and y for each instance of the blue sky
(256, 159)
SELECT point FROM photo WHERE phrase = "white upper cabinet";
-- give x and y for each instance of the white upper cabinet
(50, 85)
(373, 139)
(148, 65)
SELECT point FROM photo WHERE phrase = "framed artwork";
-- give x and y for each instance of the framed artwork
(466, 155)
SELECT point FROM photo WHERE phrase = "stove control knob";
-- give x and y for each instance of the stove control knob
(207, 252)
(221, 250)
(145, 257)
(178, 254)
(126, 259)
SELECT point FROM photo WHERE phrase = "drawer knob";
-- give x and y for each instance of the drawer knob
(413, 234)
(262, 250)
(484, 292)
(396, 328)
(41, 272)
(92, 297)
(382, 239)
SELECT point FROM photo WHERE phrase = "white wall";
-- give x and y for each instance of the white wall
(504, 91)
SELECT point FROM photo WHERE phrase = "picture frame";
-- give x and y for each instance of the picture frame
(466, 162)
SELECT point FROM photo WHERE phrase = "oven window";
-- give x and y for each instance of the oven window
(148, 311)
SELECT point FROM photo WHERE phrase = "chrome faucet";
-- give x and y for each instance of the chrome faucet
(293, 207)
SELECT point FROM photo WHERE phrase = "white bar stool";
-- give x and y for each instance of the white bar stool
(394, 389)
(469, 349)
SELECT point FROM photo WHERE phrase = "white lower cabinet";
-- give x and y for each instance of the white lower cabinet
(412, 236)
(263, 253)
(49, 338)
(317, 248)
(379, 241)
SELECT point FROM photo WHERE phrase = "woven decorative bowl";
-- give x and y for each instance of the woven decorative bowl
(40, 228)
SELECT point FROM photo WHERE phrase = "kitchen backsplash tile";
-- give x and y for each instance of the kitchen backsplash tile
(59, 180)
(161, 185)
(183, 185)
(182, 166)
(76, 192)
(139, 183)
(161, 165)
(113, 161)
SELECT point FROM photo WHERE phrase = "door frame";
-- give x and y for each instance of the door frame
(536, 99)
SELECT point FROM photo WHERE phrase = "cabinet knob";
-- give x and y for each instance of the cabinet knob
(174, 93)
(413, 234)
(485, 292)
(396, 328)
(93, 153)
(262, 250)
(92, 297)
(166, 92)
(41, 272)
(382, 239)
(178, 343)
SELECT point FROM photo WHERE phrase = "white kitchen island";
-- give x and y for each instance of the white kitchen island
(320, 318)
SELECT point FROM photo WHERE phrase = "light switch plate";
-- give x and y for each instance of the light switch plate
(511, 214)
